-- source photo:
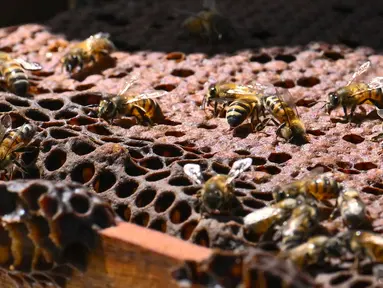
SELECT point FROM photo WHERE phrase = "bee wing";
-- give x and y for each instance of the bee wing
(32, 66)
(362, 69)
(238, 167)
(150, 95)
(129, 83)
(5, 125)
(376, 83)
(285, 96)
(194, 172)
(101, 35)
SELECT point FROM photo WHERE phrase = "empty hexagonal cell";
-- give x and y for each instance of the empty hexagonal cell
(202, 238)
(65, 114)
(273, 170)
(266, 196)
(188, 229)
(126, 188)
(164, 201)
(177, 56)
(353, 138)
(179, 181)
(145, 197)
(5, 107)
(159, 225)
(99, 129)
(322, 167)
(136, 154)
(51, 104)
(55, 159)
(182, 72)
(261, 58)
(124, 212)
(81, 120)
(59, 133)
(244, 185)
(157, 176)
(36, 115)
(132, 169)
(333, 55)
(49, 205)
(365, 166)
(340, 278)
(166, 87)
(82, 148)
(279, 157)
(288, 58)
(104, 180)
(18, 101)
(17, 120)
(173, 133)
(32, 193)
(7, 201)
(286, 83)
(308, 81)
(360, 283)
(79, 203)
(154, 163)
(83, 172)
(254, 204)
(141, 219)
(220, 168)
(180, 212)
(86, 99)
(102, 216)
(167, 150)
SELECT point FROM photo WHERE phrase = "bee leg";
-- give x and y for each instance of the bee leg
(345, 113)
(142, 114)
(334, 213)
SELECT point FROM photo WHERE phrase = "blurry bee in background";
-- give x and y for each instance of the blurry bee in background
(352, 209)
(262, 220)
(356, 93)
(321, 186)
(87, 51)
(209, 24)
(12, 71)
(141, 106)
(217, 193)
(283, 110)
(13, 143)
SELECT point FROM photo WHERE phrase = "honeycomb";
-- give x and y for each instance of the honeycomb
(139, 169)
(47, 229)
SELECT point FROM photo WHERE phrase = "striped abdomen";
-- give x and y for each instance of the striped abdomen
(242, 108)
(279, 109)
(12, 139)
(323, 188)
(15, 77)
(149, 107)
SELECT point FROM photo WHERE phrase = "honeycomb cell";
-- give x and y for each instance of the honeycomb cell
(353, 138)
(207, 126)
(81, 120)
(340, 278)
(79, 203)
(333, 55)
(51, 104)
(360, 284)
(365, 166)
(99, 129)
(32, 193)
(261, 58)
(36, 115)
(164, 201)
(18, 101)
(242, 152)
(85, 99)
(254, 204)
(286, 83)
(132, 169)
(17, 120)
(83, 87)
(104, 180)
(372, 190)
(134, 143)
(7, 201)
(180, 212)
(173, 133)
(349, 171)
(103, 218)
(176, 56)
(124, 212)
(220, 168)
(153, 163)
(273, 170)
(188, 229)
(183, 73)
(126, 188)
(165, 87)
(83, 172)
(145, 197)
(265, 196)
(136, 154)
(191, 190)
(279, 158)
(158, 225)
(258, 161)
(344, 165)
(322, 167)
(308, 81)
(166, 150)
(5, 108)
(31, 156)
(82, 148)
(65, 114)
(202, 238)
(288, 58)
(141, 219)
(157, 176)
(244, 185)
(58, 133)
(55, 159)
(179, 181)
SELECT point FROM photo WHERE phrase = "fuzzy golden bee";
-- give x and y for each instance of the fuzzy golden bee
(141, 106)
(13, 143)
(217, 193)
(210, 24)
(12, 72)
(356, 93)
(88, 51)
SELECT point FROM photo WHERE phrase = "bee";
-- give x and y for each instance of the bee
(320, 186)
(283, 112)
(217, 193)
(210, 24)
(12, 72)
(261, 220)
(301, 224)
(356, 93)
(87, 51)
(313, 252)
(141, 106)
(352, 209)
(13, 142)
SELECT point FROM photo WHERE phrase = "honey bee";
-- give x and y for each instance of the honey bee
(320, 186)
(352, 209)
(13, 142)
(141, 106)
(283, 110)
(87, 51)
(217, 193)
(210, 24)
(12, 71)
(302, 222)
(261, 220)
(356, 93)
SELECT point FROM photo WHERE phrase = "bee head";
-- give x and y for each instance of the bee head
(212, 91)
(213, 198)
(70, 62)
(28, 131)
(107, 109)
(334, 246)
(333, 101)
(278, 193)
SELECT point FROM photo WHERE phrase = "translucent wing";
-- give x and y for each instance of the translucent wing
(238, 167)
(129, 83)
(101, 35)
(285, 96)
(149, 95)
(32, 66)
(194, 172)
(263, 89)
(376, 83)
(5, 125)
(362, 69)
(209, 5)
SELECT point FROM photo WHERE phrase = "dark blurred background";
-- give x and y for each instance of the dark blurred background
(155, 25)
